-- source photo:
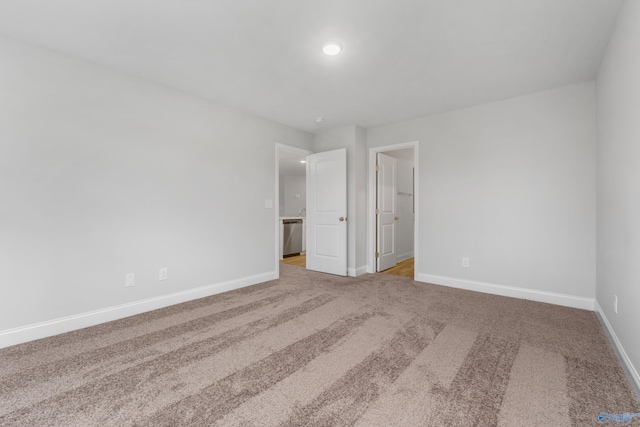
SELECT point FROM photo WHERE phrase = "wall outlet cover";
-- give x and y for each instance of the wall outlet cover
(129, 280)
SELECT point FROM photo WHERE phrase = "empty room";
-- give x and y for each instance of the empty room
(339, 213)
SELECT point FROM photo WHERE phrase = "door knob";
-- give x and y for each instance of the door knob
(397, 218)
(342, 218)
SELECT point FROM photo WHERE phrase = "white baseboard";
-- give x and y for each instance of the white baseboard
(78, 321)
(404, 256)
(510, 291)
(623, 354)
(355, 272)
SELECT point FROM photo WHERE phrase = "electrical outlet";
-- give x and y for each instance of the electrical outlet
(465, 262)
(129, 280)
(615, 304)
(162, 274)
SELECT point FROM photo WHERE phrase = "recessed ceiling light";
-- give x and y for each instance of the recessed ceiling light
(319, 120)
(332, 48)
(303, 161)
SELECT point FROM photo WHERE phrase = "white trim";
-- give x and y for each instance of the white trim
(404, 256)
(281, 147)
(371, 232)
(355, 272)
(510, 291)
(78, 321)
(632, 369)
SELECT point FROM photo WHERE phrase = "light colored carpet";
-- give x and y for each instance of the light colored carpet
(318, 350)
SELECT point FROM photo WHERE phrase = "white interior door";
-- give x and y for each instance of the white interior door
(386, 211)
(327, 212)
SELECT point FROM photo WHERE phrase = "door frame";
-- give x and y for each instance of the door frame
(371, 216)
(291, 149)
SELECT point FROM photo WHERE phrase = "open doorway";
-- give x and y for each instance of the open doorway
(393, 219)
(324, 215)
(290, 200)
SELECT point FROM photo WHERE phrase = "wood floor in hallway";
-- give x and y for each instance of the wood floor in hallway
(403, 268)
(297, 260)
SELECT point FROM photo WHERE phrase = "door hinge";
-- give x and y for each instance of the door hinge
(377, 211)
(377, 168)
(377, 254)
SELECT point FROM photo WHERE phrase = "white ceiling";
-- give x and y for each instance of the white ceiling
(402, 154)
(402, 58)
(289, 164)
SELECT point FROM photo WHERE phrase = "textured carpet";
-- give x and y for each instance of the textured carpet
(318, 350)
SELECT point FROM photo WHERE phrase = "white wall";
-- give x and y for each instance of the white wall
(102, 174)
(353, 138)
(511, 186)
(618, 91)
(294, 186)
(404, 235)
(360, 199)
(281, 195)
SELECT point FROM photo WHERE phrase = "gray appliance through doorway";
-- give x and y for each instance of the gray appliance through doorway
(292, 236)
